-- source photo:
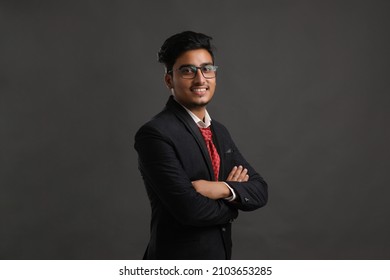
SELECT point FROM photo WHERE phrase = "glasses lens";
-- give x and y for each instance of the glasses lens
(187, 72)
(209, 71)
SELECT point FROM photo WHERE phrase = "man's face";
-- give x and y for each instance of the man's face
(192, 93)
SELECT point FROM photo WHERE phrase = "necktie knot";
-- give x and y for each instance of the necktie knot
(206, 133)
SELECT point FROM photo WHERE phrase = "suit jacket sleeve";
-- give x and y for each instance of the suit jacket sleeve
(252, 194)
(163, 174)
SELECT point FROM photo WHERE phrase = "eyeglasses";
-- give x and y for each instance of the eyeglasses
(190, 71)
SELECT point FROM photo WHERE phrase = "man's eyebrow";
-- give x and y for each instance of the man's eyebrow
(207, 63)
(203, 64)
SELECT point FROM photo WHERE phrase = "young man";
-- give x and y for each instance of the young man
(195, 177)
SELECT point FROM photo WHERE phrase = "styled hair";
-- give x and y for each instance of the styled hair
(179, 43)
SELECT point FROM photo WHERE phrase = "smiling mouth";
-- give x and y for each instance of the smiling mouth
(199, 90)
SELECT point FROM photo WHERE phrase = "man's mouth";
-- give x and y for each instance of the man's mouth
(198, 90)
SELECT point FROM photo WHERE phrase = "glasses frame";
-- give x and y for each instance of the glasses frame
(195, 71)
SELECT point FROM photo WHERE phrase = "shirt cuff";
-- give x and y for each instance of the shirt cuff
(233, 196)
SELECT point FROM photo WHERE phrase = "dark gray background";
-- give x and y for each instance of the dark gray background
(303, 87)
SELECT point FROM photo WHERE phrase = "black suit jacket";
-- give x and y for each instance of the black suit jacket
(185, 224)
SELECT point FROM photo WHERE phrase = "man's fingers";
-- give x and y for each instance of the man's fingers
(242, 175)
(238, 174)
(231, 174)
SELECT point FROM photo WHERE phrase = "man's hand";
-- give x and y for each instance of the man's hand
(217, 190)
(211, 189)
(238, 174)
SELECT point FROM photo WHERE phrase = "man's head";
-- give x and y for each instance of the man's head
(179, 43)
(190, 72)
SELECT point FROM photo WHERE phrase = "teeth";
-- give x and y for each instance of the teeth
(199, 89)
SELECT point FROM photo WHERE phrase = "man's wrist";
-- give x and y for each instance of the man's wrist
(233, 196)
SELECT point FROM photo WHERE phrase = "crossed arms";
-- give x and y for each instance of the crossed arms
(195, 203)
(218, 190)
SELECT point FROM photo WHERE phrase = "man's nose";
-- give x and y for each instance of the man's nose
(199, 78)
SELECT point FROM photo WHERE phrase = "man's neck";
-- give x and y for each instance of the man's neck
(202, 119)
(200, 112)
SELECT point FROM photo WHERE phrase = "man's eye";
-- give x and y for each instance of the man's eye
(207, 68)
(186, 70)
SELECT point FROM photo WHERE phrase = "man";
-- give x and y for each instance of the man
(195, 177)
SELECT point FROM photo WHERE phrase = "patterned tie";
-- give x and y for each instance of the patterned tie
(215, 160)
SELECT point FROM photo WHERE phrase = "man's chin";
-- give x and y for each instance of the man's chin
(195, 103)
(200, 103)
(203, 101)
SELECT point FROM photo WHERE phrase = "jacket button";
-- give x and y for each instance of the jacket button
(223, 229)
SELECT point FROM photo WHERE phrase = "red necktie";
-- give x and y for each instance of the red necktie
(215, 160)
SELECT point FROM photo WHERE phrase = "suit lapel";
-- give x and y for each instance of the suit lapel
(189, 123)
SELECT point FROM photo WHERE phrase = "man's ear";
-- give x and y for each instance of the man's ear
(168, 81)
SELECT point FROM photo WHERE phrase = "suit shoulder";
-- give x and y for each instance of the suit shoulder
(159, 123)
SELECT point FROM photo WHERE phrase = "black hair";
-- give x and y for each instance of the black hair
(179, 43)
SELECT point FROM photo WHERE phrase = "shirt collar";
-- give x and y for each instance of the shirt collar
(203, 124)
